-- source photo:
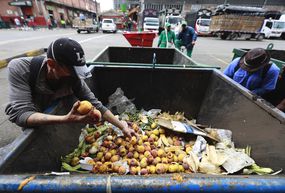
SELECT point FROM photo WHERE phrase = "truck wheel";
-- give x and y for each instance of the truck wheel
(78, 31)
(233, 36)
(283, 36)
(88, 31)
(97, 30)
(115, 31)
(259, 37)
(224, 36)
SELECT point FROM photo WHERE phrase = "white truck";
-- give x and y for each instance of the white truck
(150, 20)
(274, 28)
(88, 25)
(172, 16)
(151, 24)
(200, 21)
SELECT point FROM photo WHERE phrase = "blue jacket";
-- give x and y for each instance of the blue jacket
(187, 37)
(253, 81)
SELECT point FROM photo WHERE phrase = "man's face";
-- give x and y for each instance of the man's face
(168, 28)
(57, 71)
(58, 75)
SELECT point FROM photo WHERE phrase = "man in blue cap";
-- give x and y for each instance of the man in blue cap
(35, 84)
(187, 37)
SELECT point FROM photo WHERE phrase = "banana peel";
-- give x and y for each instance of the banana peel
(173, 149)
(193, 162)
(255, 169)
(164, 140)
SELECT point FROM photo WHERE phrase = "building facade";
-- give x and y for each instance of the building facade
(129, 4)
(194, 5)
(40, 12)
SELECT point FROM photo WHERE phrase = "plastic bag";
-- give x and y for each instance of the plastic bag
(119, 103)
(236, 160)
(199, 146)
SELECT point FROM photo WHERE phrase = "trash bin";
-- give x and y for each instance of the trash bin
(204, 94)
(151, 57)
(141, 39)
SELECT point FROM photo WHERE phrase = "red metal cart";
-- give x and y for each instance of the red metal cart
(141, 39)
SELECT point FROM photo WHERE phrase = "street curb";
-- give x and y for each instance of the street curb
(4, 62)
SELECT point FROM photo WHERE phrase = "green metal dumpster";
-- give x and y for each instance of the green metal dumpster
(204, 94)
(136, 56)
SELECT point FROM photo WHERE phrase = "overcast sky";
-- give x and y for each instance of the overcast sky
(106, 4)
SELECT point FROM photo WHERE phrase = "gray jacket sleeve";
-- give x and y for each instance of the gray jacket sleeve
(20, 105)
(83, 92)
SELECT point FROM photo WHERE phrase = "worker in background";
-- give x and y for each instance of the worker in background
(187, 37)
(254, 71)
(17, 23)
(167, 37)
(62, 22)
(37, 84)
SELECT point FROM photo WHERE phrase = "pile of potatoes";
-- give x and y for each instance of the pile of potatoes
(151, 153)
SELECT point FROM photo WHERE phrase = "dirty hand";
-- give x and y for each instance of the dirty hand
(128, 131)
(89, 118)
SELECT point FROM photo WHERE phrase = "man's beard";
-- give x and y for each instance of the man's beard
(56, 84)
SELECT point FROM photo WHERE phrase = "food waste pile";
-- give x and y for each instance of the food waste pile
(159, 148)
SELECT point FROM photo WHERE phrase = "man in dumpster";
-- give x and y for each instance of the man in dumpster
(187, 37)
(35, 84)
(167, 37)
(254, 71)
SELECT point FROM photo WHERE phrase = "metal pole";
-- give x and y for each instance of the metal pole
(265, 2)
(96, 8)
(36, 2)
(46, 16)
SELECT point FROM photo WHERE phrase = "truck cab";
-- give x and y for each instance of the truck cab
(273, 28)
(202, 26)
(172, 16)
(151, 24)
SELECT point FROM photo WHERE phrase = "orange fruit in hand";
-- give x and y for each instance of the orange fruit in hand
(84, 107)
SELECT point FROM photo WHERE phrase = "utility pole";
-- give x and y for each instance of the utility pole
(264, 3)
(96, 9)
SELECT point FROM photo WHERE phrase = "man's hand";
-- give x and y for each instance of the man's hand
(74, 116)
(128, 131)
(193, 43)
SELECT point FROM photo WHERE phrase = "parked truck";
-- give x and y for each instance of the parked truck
(233, 22)
(88, 25)
(274, 26)
(150, 21)
(200, 21)
(172, 16)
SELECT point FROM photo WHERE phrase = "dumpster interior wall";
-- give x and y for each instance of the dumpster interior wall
(225, 107)
(143, 56)
(202, 94)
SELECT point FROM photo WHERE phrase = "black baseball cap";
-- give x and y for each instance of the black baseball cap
(68, 52)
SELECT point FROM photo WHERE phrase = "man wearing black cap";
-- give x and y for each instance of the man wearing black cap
(254, 71)
(36, 86)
